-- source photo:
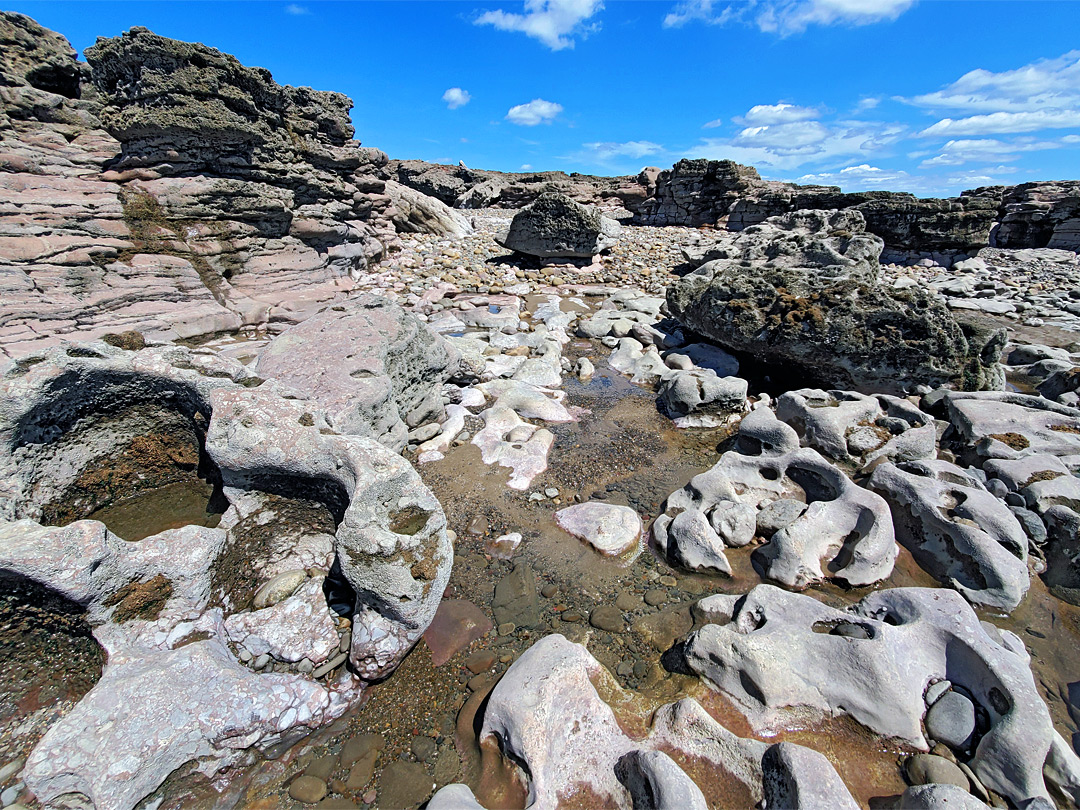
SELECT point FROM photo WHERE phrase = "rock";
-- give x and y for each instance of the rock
(555, 226)
(611, 530)
(708, 400)
(515, 599)
(386, 515)
(504, 545)
(404, 784)
(844, 527)
(927, 769)
(423, 748)
(419, 213)
(279, 588)
(361, 746)
(1040, 215)
(454, 797)
(608, 618)
(1008, 425)
(296, 629)
(307, 789)
(957, 531)
(783, 294)
(480, 661)
(371, 366)
(798, 777)
(655, 597)
(951, 720)
(654, 780)
(937, 796)
(777, 515)
(775, 651)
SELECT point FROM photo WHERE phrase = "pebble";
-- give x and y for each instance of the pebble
(480, 661)
(551, 492)
(360, 746)
(936, 690)
(548, 591)
(608, 618)
(322, 767)
(307, 789)
(655, 597)
(669, 581)
(10, 769)
(423, 748)
(478, 525)
(927, 769)
(404, 784)
(261, 661)
(628, 602)
(506, 628)
(951, 720)
(333, 663)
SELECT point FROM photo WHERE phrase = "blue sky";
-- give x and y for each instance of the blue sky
(930, 96)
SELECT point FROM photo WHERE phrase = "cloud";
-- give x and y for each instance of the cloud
(712, 124)
(553, 22)
(766, 114)
(456, 97)
(1004, 122)
(297, 10)
(535, 112)
(987, 150)
(630, 149)
(1046, 84)
(787, 17)
(789, 146)
(526, 167)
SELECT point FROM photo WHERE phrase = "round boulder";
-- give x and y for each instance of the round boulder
(555, 226)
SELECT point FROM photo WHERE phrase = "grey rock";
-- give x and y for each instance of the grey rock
(929, 769)
(415, 212)
(951, 720)
(802, 779)
(515, 601)
(655, 781)
(556, 226)
(777, 515)
(939, 797)
(701, 393)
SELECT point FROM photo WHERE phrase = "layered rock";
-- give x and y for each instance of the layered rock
(1040, 215)
(167, 188)
(462, 187)
(801, 292)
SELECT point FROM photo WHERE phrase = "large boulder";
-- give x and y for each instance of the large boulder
(416, 212)
(555, 226)
(801, 292)
(374, 368)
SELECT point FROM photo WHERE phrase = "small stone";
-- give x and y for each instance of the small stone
(928, 769)
(478, 525)
(478, 682)
(551, 492)
(951, 720)
(668, 581)
(778, 515)
(608, 618)
(261, 661)
(628, 602)
(245, 658)
(624, 669)
(571, 616)
(322, 767)
(369, 797)
(506, 628)
(549, 591)
(305, 666)
(655, 597)
(360, 746)
(404, 784)
(423, 748)
(936, 690)
(362, 771)
(307, 789)
(641, 669)
(279, 588)
(10, 770)
(480, 661)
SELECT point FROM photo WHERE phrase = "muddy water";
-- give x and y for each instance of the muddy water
(185, 503)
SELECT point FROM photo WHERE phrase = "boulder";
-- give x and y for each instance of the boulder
(843, 528)
(801, 292)
(418, 213)
(557, 226)
(612, 530)
(699, 398)
(779, 655)
(958, 532)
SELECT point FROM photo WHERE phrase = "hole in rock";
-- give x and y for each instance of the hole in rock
(409, 521)
(816, 487)
(770, 474)
(48, 656)
(340, 595)
(126, 449)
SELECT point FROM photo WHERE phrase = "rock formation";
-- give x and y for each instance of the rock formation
(555, 226)
(801, 291)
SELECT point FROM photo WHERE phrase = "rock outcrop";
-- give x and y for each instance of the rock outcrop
(84, 425)
(1040, 215)
(555, 226)
(168, 188)
(801, 292)
(462, 187)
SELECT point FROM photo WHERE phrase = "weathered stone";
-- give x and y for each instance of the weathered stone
(554, 226)
(611, 530)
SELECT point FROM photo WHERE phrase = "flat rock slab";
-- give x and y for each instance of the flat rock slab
(611, 530)
(457, 623)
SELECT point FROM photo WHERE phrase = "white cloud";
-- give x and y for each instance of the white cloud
(630, 149)
(786, 17)
(526, 167)
(535, 112)
(297, 10)
(712, 124)
(1046, 84)
(553, 22)
(786, 147)
(767, 114)
(1004, 122)
(456, 97)
(988, 150)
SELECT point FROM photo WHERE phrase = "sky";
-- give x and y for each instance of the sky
(927, 96)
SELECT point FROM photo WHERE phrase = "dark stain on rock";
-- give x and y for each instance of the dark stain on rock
(140, 600)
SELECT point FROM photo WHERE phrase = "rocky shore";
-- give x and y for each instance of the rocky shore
(331, 480)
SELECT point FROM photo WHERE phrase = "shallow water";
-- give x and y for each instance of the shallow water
(185, 503)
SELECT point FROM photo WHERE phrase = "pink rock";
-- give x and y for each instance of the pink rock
(456, 625)
(611, 530)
